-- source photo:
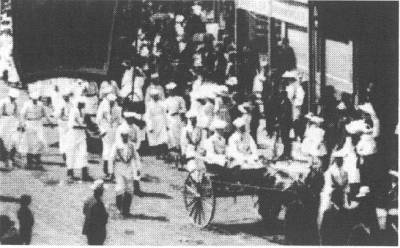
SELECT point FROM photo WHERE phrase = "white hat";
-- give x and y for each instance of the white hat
(316, 119)
(196, 9)
(108, 90)
(309, 115)
(231, 81)
(364, 191)
(13, 93)
(66, 91)
(290, 74)
(338, 154)
(239, 122)
(367, 108)
(191, 114)
(111, 97)
(170, 86)
(341, 106)
(123, 129)
(355, 127)
(34, 95)
(132, 115)
(154, 75)
(179, 18)
(244, 108)
(99, 183)
(218, 124)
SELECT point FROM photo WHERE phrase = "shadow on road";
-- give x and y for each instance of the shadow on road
(155, 195)
(149, 179)
(147, 217)
(4, 198)
(260, 229)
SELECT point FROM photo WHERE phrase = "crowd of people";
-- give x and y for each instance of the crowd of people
(182, 92)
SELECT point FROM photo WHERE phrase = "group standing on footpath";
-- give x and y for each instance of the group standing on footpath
(180, 93)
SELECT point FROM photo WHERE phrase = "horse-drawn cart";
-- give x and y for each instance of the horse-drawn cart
(276, 185)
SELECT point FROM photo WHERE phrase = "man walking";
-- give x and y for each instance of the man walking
(96, 216)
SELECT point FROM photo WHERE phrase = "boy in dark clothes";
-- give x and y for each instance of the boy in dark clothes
(26, 220)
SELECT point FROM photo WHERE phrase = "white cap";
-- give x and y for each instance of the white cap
(290, 74)
(108, 90)
(179, 18)
(217, 124)
(123, 129)
(81, 99)
(99, 183)
(244, 108)
(367, 108)
(34, 95)
(309, 115)
(316, 119)
(191, 114)
(132, 115)
(111, 97)
(341, 106)
(66, 91)
(13, 93)
(154, 75)
(231, 81)
(364, 191)
(170, 86)
(239, 122)
(355, 127)
(196, 9)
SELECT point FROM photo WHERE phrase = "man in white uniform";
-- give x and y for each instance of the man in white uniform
(76, 150)
(62, 114)
(215, 146)
(109, 117)
(134, 137)
(124, 161)
(32, 114)
(242, 148)
(8, 116)
(174, 106)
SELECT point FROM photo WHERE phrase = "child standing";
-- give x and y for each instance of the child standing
(26, 220)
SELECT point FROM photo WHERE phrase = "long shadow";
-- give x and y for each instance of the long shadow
(260, 229)
(147, 217)
(4, 198)
(149, 179)
(155, 195)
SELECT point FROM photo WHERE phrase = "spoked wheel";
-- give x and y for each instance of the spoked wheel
(199, 198)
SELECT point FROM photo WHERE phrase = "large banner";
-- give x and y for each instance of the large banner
(59, 37)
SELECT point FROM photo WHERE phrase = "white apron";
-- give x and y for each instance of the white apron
(156, 124)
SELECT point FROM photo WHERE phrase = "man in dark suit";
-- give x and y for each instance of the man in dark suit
(96, 216)
(285, 124)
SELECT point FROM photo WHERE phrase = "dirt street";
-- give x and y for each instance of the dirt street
(159, 217)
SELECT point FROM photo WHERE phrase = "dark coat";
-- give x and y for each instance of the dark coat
(96, 218)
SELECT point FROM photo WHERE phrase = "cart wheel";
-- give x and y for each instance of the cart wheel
(199, 198)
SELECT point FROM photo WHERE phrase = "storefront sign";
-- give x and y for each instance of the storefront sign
(295, 13)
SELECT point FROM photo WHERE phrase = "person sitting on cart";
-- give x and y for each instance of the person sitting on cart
(242, 150)
(215, 147)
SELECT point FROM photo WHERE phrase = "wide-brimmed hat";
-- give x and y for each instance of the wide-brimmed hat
(132, 115)
(290, 74)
